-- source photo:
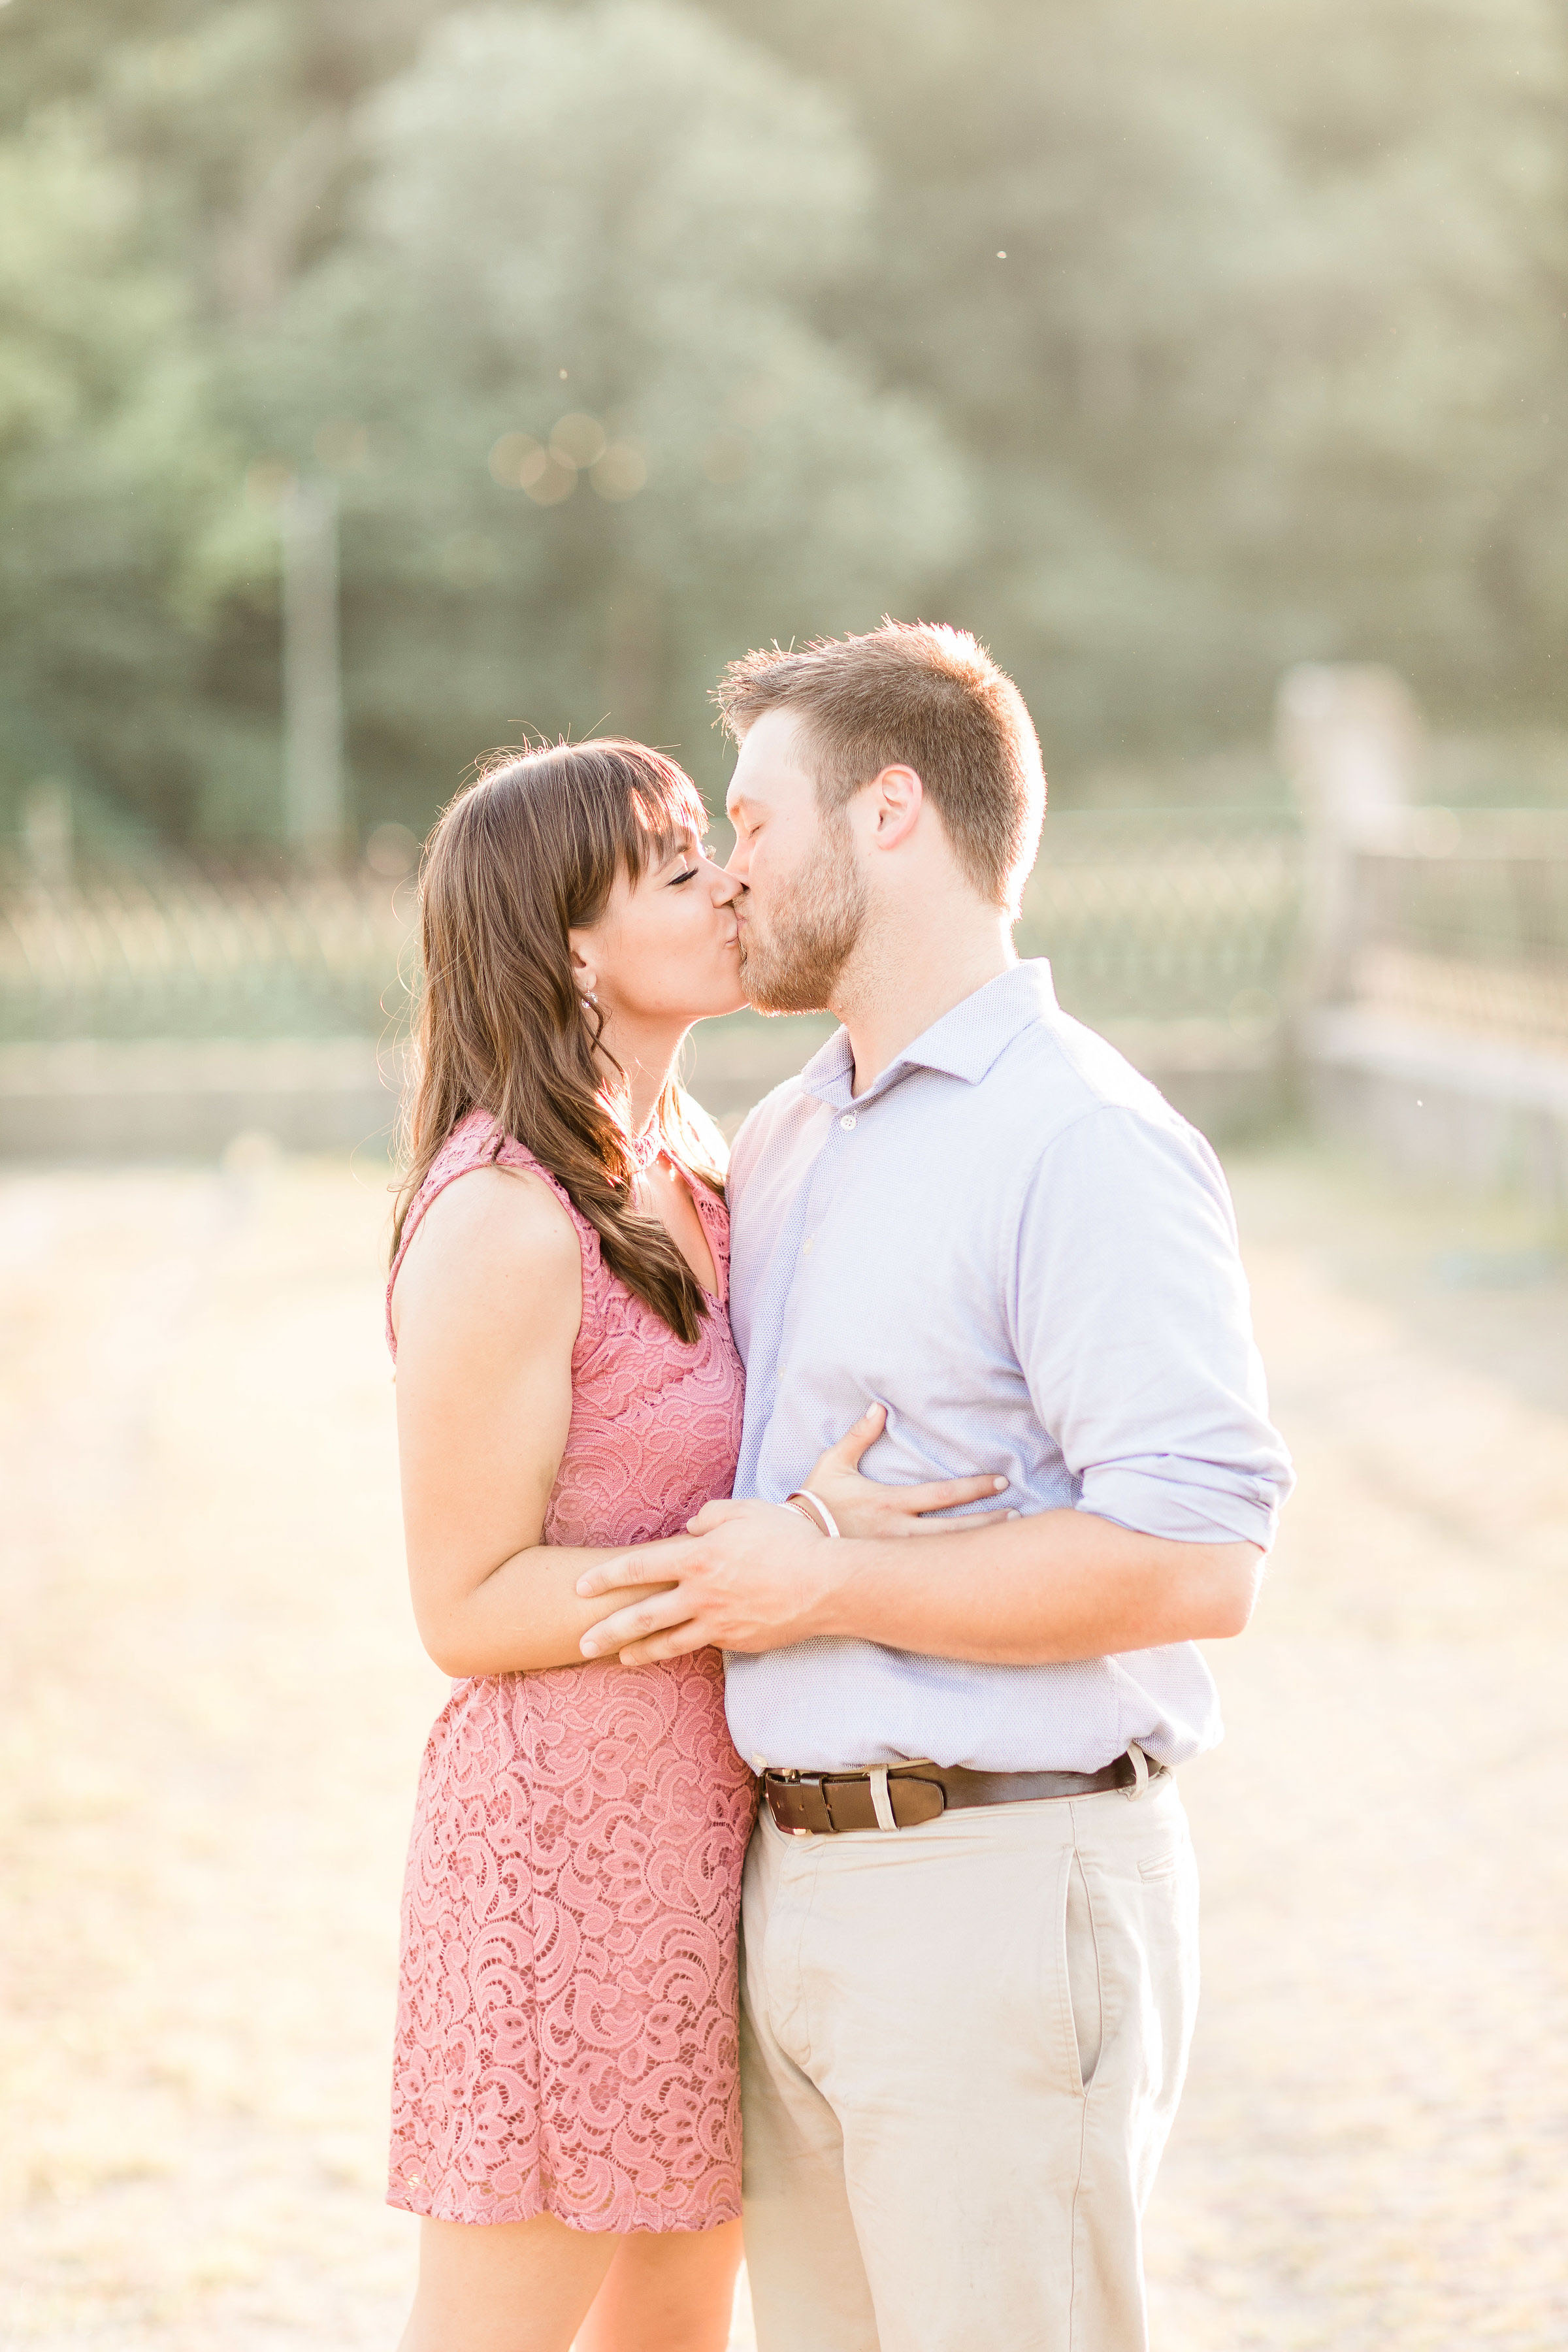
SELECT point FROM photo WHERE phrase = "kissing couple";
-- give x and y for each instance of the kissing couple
(818, 1549)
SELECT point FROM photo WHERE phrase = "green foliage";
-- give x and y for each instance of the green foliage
(1269, 372)
(116, 482)
(612, 226)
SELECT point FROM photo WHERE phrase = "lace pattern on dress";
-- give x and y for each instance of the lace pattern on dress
(567, 2014)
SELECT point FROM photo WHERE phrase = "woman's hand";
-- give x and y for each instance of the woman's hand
(863, 1508)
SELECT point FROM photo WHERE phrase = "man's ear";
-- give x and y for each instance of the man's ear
(897, 795)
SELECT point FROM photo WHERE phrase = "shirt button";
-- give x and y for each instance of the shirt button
(848, 1121)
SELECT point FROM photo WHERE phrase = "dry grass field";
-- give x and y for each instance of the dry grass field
(211, 1706)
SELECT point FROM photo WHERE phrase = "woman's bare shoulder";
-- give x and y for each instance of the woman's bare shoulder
(486, 1235)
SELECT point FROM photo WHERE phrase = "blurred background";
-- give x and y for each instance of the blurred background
(379, 384)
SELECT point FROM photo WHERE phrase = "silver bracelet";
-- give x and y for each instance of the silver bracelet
(818, 1512)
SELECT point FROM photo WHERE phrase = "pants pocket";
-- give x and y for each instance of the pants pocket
(1159, 1865)
(1074, 1961)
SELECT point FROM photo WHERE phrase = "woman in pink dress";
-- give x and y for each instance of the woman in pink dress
(566, 2105)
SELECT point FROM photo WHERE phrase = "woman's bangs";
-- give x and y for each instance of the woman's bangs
(664, 810)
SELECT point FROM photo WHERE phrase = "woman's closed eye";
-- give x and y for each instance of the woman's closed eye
(689, 875)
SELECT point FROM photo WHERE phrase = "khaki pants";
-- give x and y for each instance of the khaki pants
(961, 2047)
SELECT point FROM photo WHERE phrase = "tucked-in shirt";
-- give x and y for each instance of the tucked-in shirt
(1014, 1243)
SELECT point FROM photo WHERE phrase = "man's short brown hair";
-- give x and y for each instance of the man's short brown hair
(918, 696)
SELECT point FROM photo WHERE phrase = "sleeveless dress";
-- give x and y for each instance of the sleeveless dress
(567, 2000)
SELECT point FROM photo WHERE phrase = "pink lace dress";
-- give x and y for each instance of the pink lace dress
(567, 2004)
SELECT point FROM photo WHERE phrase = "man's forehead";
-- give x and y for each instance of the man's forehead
(771, 760)
(744, 784)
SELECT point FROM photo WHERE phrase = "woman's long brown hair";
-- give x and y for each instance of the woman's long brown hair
(527, 853)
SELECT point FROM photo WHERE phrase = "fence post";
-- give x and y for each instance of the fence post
(313, 688)
(48, 838)
(1350, 738)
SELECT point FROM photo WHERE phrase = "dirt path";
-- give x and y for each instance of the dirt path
(211, 1706)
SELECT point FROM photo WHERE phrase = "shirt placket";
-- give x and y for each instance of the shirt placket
(817, 1196)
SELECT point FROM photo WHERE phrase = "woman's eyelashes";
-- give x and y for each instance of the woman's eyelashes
(689, 875)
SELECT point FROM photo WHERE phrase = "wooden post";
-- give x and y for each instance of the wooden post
(1350, 738)
(313, 817)
(49, 836)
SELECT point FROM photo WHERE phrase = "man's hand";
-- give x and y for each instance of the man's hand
(749, 1577)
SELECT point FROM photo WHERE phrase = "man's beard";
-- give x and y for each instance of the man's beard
(813, 932)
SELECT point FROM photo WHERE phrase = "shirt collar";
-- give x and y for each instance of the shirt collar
(964, 1043)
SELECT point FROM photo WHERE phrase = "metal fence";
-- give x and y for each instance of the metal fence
(1165, 915)
(1458, 921)
(1146, 915)
(167, 950)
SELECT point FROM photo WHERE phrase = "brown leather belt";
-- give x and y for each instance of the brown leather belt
(824, 1804)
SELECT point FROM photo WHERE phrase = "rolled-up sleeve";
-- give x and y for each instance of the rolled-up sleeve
(1132, 1324)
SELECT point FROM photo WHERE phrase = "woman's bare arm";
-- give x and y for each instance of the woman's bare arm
(486, 1308)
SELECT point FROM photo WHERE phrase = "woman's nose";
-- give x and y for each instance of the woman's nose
(725, 888)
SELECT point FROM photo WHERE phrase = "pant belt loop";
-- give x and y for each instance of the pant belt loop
(881, 1803)
(1140, 1771)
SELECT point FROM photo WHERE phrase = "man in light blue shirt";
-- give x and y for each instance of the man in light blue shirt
(1014, 1244)
(970, 1917)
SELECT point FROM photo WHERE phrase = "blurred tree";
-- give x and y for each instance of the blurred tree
(1402, 461)
(606, 229)
(1270, 369)
(138, 142)
(563, 357)
(117, 485)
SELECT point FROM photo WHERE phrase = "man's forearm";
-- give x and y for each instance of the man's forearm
(1040, 1591)
(1034, 1592)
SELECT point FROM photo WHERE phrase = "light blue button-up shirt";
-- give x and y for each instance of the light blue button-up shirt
(1013, 1242)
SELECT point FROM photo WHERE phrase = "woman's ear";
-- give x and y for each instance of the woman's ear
(584, 976)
